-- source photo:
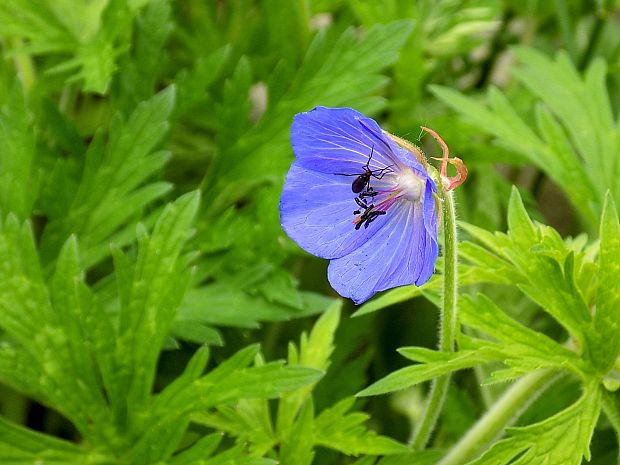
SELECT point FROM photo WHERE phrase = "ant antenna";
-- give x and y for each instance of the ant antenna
(372, 151)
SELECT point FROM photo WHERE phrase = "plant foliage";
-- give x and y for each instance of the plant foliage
(152, 310)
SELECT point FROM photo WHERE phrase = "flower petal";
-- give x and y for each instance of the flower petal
(316, 211)
(404, 156)
(430, 224)
(402, 252)
(339, 140)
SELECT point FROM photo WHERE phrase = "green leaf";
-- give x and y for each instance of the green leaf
(249, 420)
(233, 112)
(92, 33)
(265, 382)
(230, 306)
(18, 179)
(578, 134)
(198, 451)
(196, 332)
(140, 68)
(193, 83)
(551, 280)
(563, 438)
(336, 429)
(297, 446)
(51, 339)
(331, 74)
(591, 127)
(19, 445)
(111, 191)
(158, 284)
(314, 352)
(605, 342)
(438, 364)
(521, 345)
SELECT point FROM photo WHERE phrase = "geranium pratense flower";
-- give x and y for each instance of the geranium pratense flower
(356, 197)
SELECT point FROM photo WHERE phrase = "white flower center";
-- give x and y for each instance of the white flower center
(410, 184)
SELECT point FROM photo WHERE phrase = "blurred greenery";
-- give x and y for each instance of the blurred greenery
(152, 310)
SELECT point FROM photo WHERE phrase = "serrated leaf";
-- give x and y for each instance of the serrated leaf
(111, 190)
(332, 74)
(563, 438)
(192, 331)
(140, 68)
(193, 83)
(551, 280)
(336, 429)
(519, 342)
(90, 32)
(578, 132)
(248, 420)
(157, 287)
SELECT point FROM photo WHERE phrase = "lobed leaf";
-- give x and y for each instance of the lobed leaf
(563, 438)
(336, 429)
(111, 192)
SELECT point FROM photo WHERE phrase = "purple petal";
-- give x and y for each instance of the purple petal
(316, 211)
(403, 155)
(339, 140)
(402, 252)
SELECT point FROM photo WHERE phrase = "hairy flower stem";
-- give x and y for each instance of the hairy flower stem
(447, 335)
(503, 413)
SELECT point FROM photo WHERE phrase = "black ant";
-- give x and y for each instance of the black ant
(369, 214)
(363, 180)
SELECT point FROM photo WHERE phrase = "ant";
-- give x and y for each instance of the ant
(363, 180)
(369, 214)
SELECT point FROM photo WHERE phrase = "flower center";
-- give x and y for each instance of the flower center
(410, 185)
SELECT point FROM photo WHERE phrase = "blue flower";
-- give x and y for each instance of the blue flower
(357, 198)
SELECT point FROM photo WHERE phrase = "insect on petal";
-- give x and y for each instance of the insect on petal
(355, 196)
(316, 211)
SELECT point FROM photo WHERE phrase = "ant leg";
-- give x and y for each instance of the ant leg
(361, 203)
(383, 172)
(372, 216)
(370, 193)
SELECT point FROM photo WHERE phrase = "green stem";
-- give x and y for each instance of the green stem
(503, 413)
(447, 336)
